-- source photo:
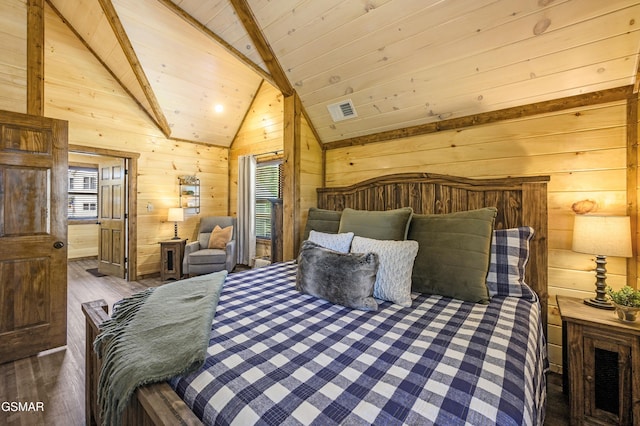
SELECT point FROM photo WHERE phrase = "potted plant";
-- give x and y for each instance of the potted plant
(626, 301)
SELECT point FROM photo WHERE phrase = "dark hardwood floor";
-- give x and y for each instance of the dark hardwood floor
(56, 377)
(557, 402)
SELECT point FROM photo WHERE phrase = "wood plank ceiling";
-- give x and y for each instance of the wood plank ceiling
(401, 62)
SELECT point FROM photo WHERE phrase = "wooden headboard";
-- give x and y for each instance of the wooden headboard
(521, 201)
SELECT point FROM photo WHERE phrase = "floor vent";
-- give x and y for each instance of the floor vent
(342, 110)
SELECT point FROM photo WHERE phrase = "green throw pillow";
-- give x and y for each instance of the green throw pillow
(321, 220)
(454, 253)
(378, 225)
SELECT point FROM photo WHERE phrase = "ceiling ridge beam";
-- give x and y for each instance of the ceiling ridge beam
(262, 46)
(586, 99)
(104, 65)
(209, 33)
(126, 46)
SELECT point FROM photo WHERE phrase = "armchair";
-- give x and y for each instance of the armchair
(199, 259)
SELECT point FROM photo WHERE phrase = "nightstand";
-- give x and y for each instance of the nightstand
(171, 253)
(601, 364)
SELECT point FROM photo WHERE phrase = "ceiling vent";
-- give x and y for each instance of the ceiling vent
(342, 110)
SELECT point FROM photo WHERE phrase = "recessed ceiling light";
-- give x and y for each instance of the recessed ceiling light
(218, 108)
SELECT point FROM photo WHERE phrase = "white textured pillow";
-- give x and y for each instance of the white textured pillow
(336, 242)
(393, 281)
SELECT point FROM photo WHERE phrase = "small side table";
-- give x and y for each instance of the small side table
(601, 364)
(171, 253)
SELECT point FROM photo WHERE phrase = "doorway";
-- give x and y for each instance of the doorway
(108, 230)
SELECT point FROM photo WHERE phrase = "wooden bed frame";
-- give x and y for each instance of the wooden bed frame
(520, 201)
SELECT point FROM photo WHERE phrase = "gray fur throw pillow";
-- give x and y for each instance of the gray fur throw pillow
(345, 279)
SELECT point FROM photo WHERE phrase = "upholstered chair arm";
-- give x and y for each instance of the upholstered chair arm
(230, 249)
(188, 249)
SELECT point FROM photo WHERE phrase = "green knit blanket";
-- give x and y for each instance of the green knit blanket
(152, 336)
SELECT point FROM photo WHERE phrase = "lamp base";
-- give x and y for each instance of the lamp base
(600, 301)
(599, 304)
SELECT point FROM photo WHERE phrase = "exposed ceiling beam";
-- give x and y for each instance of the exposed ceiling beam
(262, 46)
(599, 97)
(206, 31)
(127, 48)
(104, 65)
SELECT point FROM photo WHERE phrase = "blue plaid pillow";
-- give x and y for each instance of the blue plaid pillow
(509, 256)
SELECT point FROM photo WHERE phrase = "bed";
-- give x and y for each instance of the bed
(280, 356)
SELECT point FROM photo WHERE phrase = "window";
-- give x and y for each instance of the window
(90, 182)
(83, 192)
(268, 186)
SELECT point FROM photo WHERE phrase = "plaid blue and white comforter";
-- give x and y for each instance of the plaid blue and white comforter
(279, 357)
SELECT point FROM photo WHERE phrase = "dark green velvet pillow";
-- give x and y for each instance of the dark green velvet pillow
(378, 225)
(453, 254)
(322, 220)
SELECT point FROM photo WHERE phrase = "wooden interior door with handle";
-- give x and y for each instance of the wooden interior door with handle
(33, 234)
(112, 201)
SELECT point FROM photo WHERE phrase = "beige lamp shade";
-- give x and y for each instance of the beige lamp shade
(176, 214)
(602, 235)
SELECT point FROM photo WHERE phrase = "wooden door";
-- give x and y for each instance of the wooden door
(112, 217)
(33, 235)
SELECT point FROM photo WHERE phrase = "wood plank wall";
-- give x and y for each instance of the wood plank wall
(13, 56)
(102, 115)
(583, 150)
(82, 241)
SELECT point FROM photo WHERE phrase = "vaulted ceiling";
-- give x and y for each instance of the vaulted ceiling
(401, 63)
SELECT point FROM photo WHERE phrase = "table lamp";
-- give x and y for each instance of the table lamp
(176, 214)
(602, 236)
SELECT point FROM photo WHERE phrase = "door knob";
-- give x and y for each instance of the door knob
(58, 245)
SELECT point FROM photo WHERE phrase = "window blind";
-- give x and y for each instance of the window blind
(268, 186)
